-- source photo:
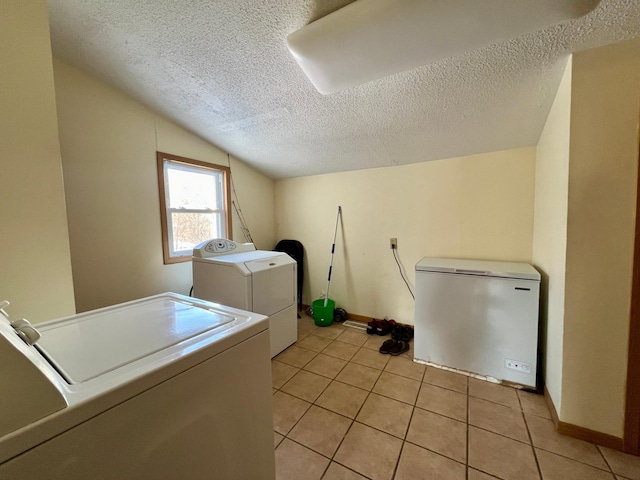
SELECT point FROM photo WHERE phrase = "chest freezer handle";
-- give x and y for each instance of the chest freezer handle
(471, 272)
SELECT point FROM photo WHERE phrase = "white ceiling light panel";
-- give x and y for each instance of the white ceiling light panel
(371, 39)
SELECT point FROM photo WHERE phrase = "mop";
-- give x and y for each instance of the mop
(333, 249)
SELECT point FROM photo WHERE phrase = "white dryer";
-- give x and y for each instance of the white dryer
(238, 275)
(162, 387)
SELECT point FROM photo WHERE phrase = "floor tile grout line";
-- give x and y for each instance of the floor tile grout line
(406, 434)
(314, 404)
(296, 366)
(497, 403)
(286, 435)
(334, 377)
(434, 452)
(524, 414)
(486, 473)
(364, 365)
(520, 409)
(369, 393)
(538, 447)
(353, 421)
(395, 468)
(604, 457)
(440, 386)
(401, 401)
(323, 390)
(503, 435)
(422, 381)
(578, 461)
(533, 449)
(331, 459)
(467, 452)
(352, 470)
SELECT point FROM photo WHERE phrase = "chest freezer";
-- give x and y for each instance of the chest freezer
(478, 316)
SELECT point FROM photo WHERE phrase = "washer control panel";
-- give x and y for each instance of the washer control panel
(220, 246)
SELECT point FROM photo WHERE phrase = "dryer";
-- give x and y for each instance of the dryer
(261, 281)
(162, 387)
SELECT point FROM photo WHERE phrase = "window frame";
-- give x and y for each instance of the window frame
(161, 157)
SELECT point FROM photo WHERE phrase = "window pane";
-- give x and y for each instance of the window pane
(193, 190)
(189, 229)
(193, 204)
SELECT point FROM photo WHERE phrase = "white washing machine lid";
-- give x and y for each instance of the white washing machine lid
(249, 262)
(86, 346)
(485, 268)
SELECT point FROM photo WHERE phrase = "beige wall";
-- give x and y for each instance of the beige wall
(108, 146)
(256, 201)
(550, 230)
(36, 266)
(605, 104)
(479, 206)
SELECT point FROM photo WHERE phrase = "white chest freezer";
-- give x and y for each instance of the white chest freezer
(260, 281)
(479, 317)
(162, 387)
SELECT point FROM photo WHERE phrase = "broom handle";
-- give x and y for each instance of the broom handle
(333, 249)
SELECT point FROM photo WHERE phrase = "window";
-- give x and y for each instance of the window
(194, 204)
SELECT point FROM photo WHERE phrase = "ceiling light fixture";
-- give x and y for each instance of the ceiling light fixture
(371, 39)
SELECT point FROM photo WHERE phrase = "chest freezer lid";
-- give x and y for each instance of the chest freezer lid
(485, 268)
(88, 345)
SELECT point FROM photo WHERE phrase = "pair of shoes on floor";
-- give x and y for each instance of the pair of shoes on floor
(380, 327)
(394, 347)
(402, 332)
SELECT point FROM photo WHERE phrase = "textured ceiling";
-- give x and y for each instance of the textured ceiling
(221, 68)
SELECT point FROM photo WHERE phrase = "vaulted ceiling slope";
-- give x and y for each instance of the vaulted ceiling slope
(221, 68)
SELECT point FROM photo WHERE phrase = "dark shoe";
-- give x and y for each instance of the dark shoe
(339, 315)
(399, 347)
(372, 326)
(387, 346)
(396, 332)
(383, 328)
(402, 332)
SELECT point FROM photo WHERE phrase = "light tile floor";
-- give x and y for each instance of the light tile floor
(343, 411)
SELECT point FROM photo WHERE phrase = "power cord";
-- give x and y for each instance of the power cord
(236, 205)
(395, 257)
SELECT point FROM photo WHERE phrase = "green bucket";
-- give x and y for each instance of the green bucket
(322, 315)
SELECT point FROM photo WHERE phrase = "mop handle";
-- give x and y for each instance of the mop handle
(333, 249)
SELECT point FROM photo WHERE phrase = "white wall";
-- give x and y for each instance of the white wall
(550, 230)
(108, 143)
(35, 259)
(603, 169)
(479, 206)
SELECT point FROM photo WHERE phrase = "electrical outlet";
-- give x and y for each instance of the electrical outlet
(393, 243)
(516, 365)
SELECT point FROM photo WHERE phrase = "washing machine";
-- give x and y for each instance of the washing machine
(238, 275)
(162, 387)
